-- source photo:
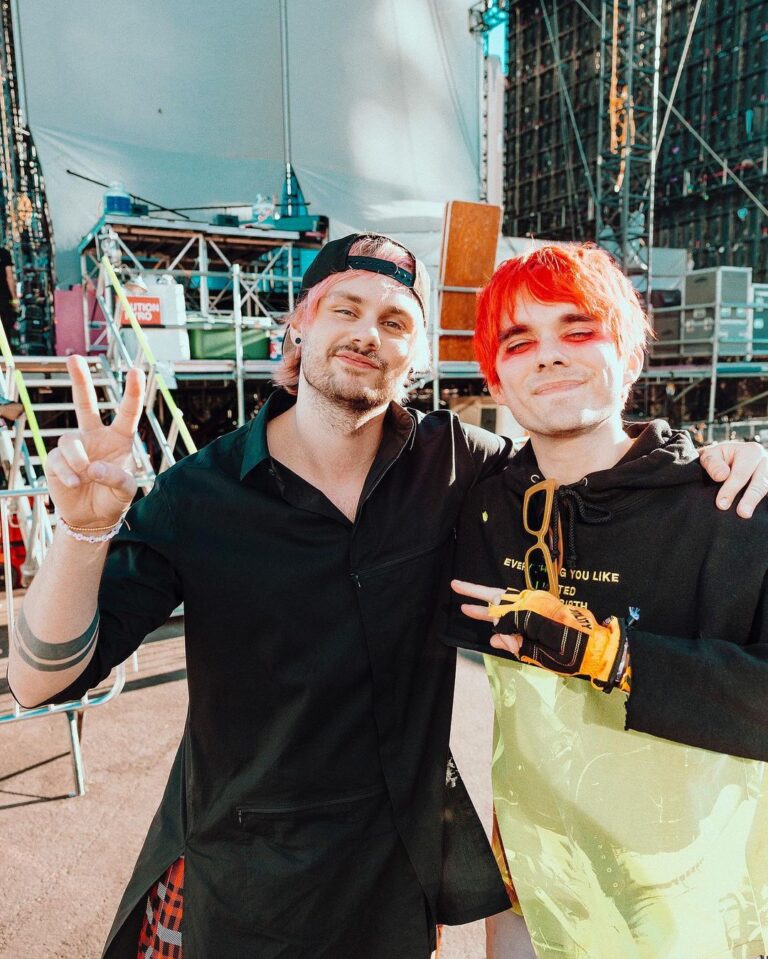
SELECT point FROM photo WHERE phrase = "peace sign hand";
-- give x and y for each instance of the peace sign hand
(491, 597)
(88, 473)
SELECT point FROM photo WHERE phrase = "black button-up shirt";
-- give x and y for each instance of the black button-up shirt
(319, 704)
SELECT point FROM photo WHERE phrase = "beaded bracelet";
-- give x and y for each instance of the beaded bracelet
(83, 537)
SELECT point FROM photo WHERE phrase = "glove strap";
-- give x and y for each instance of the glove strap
(621, 672)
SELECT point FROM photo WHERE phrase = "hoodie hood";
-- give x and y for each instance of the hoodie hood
(659, 457)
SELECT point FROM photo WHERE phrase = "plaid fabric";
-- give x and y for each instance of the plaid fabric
(160, 936)
(501, 862)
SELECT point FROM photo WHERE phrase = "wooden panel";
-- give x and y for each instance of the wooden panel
(467, 258)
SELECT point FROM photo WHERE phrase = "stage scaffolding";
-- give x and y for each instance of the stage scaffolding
(201, 257)
(26, 222)
(629, 121)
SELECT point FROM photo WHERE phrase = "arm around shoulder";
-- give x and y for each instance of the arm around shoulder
(490, 452)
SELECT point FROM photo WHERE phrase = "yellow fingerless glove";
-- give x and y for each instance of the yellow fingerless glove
(565, 639)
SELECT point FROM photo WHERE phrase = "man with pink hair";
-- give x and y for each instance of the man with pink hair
(313, 811)
(307, 815)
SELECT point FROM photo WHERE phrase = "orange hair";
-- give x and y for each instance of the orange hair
(560, 273)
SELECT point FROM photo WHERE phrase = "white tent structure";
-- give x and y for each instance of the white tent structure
(181, 101)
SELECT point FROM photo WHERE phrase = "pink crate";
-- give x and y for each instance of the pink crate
(68, 320)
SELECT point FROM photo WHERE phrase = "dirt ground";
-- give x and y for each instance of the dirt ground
(65, 860)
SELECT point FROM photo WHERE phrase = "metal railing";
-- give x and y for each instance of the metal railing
(244, 288)
(120, 359)
(205, 288)
(41, 533)
(20, 472)
(13, 387)
(746, 429)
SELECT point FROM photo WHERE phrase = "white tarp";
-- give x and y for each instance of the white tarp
(181, 101)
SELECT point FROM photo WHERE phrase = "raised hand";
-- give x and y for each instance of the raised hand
(490, 598)
(542, 631)
(88, 474)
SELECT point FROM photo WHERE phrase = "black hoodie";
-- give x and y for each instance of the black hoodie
(645, 542)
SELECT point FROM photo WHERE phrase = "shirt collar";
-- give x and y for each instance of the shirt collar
(399, 427)
(256, 450)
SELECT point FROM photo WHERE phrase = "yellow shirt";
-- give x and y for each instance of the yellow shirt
(622, 845)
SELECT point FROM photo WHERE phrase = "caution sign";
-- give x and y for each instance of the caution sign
(147, 310)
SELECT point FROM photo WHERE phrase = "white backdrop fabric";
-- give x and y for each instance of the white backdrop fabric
(180, 100)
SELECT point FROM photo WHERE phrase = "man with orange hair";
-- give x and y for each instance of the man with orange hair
(628, 640)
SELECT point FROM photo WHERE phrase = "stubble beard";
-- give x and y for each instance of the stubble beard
(349, 393)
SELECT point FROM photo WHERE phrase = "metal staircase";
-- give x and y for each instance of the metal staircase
(49, 386)
(43, 386)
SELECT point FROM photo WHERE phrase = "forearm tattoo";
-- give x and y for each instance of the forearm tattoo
(52, 657)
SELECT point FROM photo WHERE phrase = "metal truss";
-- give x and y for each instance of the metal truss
(23, 206)
(200, 258)
(485, 16)
(630, 49)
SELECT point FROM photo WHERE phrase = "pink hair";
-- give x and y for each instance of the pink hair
(287, 373)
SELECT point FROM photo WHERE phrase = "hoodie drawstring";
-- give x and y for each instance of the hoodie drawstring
(568, 502)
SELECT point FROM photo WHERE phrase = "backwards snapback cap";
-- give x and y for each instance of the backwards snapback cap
(334, 258)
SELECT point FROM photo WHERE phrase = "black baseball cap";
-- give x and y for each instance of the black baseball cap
(334, 258)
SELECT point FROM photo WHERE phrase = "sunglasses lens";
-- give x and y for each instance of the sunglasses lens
(537, 569)
(535, 518)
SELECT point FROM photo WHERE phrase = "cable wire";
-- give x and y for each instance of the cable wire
(451, 84)
(564, 90)
(679, 74)
(723, 163)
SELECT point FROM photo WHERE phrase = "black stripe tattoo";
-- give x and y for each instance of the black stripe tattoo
(52, 657)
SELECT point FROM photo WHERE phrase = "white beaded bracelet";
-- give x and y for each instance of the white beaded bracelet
(86, 537)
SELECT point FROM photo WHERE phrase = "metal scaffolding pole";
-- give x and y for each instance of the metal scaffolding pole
(290, 188)
(630, 51)
(484, 16)
(23, 206)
